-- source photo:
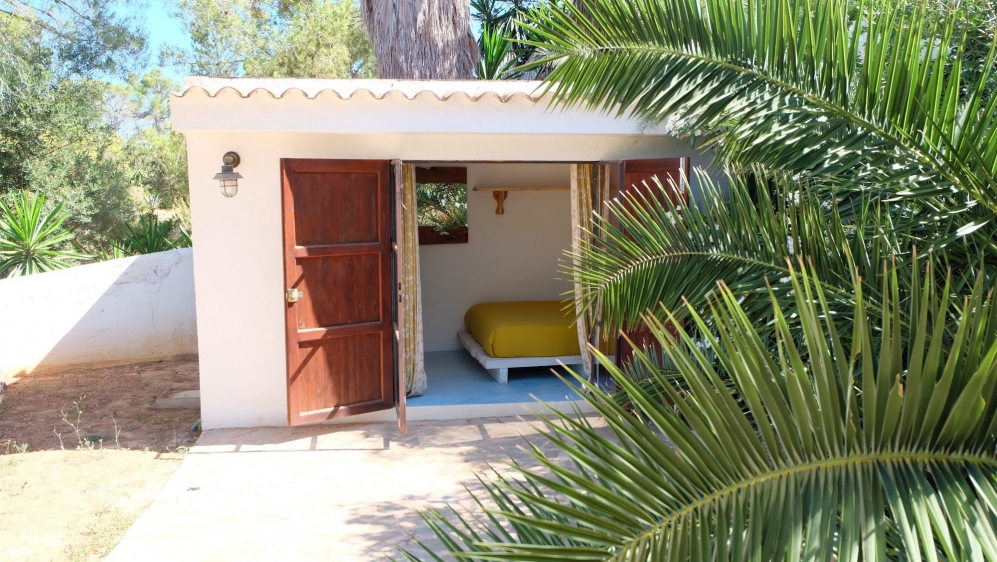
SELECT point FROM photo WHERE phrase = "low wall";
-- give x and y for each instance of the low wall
(115, 312)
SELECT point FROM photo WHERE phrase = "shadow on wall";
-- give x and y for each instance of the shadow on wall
(119, 311)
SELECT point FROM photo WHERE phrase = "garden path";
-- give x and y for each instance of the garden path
(319, 492)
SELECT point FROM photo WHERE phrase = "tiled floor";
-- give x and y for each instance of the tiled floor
(455, 378)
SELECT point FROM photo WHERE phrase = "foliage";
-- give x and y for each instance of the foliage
(744, 236)
(86, 36)
(506, 46)
(152, 235)
(496, 54)
(67, 135)
(32, 238)
(863, 124)
(274, 38)
(441, 205)
(846, 450)
(787, 84)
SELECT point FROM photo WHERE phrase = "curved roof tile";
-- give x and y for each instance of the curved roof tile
(443, 90)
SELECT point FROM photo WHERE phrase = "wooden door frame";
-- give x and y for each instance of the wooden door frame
(386, 297)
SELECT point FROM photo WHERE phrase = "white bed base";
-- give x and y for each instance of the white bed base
(498, 367)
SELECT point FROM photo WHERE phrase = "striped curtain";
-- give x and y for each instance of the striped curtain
(411, 322)
(589, 194)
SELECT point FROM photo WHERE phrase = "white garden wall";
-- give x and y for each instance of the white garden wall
(115, 312)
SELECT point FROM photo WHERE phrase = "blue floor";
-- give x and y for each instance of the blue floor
(455, 378)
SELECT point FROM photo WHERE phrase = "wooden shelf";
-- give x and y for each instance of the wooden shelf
(551, 188)
(501, 193)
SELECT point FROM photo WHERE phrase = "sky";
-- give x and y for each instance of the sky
(164, 29)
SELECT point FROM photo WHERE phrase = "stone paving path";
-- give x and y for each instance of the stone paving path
(319, 492)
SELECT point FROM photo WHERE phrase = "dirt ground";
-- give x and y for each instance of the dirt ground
(82, 454)
(83, 406)
(75, 505)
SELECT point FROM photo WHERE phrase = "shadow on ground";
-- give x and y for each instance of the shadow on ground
(319, 492)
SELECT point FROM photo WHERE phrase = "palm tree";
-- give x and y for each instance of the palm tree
(33, 240)
(845, 103)
(421, 39)
(843, 411)
(844, 446)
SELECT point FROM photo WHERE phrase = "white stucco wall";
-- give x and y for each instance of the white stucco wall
(508, 257)
(239, 269)
(120, 311)
(238, 265)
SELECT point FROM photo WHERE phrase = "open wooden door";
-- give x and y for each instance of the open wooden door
(339, 290)
(397, 248)
(634, 174)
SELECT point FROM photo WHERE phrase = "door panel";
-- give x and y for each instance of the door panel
(328, 369)
(335, 208)
(357, 299)
(637, 173)
(337, 253)
(634, 175)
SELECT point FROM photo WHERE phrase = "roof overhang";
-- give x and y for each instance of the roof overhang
(387, 106)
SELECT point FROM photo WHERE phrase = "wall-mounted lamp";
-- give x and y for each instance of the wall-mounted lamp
(228, 179)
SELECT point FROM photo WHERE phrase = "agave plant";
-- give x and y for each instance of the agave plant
(150, 236)
(33, 240)
(840, 448)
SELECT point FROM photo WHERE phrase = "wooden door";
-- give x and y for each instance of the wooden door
(338, 288)
(634, 174)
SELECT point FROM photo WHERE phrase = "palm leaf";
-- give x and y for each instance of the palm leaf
(848, 449)
(655, 252)
(867, 98)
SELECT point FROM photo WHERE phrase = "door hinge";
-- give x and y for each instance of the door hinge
(293, 295)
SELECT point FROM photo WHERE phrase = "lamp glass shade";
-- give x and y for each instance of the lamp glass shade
(229, 187)
(228, 181)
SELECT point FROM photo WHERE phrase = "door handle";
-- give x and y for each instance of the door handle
(293, 295)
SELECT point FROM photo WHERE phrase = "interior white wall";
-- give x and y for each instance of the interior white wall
(508, 257)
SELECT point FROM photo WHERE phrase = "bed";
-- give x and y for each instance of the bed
(507, 335)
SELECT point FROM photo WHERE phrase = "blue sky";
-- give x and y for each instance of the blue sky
(164, 29)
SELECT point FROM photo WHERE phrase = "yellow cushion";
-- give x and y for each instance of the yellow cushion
(523, 329)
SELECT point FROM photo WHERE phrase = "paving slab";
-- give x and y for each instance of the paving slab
(179, 400)
(319, 492)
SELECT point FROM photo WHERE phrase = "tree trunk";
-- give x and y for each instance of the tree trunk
(421, 39)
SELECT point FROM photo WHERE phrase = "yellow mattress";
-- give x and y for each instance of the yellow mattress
(523, 329)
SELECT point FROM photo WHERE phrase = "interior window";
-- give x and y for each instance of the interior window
(442, 205)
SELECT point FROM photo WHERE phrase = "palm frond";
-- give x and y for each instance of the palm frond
(869, 98)
(657, 253)
(846, 450)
